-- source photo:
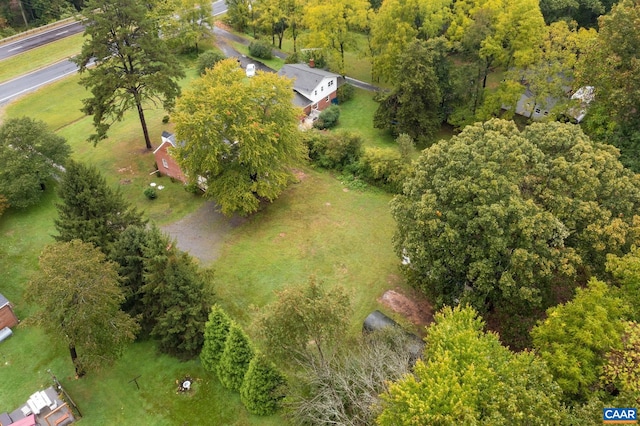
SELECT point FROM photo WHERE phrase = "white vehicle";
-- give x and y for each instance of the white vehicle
(251, 70)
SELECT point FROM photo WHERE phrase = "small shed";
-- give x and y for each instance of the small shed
(7, 317)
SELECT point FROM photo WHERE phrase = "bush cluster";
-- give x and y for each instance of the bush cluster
(328, 118)
(150, 193)
(334, 150)
(343, 151)
(208, 60)
(260, 49)
(345, 93)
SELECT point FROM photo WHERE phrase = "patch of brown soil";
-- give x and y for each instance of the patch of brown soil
(299, 174)
(416, 308)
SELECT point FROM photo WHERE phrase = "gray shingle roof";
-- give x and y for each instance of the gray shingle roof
(305, 79)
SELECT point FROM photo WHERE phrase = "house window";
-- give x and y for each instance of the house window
(315, 106)
(316, 92)
(322, 88)
(165, 164)
(328, 100)
(330, 83)
(537, 110)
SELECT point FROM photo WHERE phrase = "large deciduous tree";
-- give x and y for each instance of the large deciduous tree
(90, 210)
(611, 66)
(575, 337)
(414, 105)
(78, 296)
(332, 25)
(132, 64)
(498, 215)
(240, 135)
(305, 322)
(30, 154)
(468, 377)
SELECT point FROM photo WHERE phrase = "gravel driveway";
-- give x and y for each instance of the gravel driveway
(203, 232)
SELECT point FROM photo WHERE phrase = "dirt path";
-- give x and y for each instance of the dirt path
(203, 232)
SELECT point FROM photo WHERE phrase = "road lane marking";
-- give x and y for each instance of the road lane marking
(15, 48)
(62, 32)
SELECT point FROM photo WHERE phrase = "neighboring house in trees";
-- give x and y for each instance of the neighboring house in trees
(528, 107)
(167, 165)
(314, 88)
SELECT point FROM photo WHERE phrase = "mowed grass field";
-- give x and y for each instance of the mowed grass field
(317, 227)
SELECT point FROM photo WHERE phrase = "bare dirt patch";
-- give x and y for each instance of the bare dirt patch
(414, 307)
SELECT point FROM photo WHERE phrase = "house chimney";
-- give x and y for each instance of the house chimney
(312, 63)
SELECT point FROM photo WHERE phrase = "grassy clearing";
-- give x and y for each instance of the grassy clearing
(39, 57)
(357, 115)
(316, 228)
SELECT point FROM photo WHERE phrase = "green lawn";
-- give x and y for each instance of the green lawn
(317, 227)
(40, 57)
(357, 115)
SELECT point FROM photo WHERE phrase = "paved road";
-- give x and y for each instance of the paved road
(22, 45)
(30, 82)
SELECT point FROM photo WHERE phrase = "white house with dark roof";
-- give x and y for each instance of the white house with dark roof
(314, 88)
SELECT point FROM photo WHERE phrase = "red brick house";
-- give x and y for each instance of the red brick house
(314, 88)
(7, 317)
(167, 165)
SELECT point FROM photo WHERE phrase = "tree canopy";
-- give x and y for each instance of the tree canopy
(575, 337)
(468, 377)
(240, 135)
(30, 154)
(496, 215)
(610, 65)
(132, 65)
(78, 296)
(303, 314)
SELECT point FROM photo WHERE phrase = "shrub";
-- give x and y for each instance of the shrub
(333, 151)
(262, 389)
(328, 118)
(235, 358)
(165, 119)
(294, 58)
(208, 60)
(4, 204)
(344, 149)
(192, 188)
(260, 49)
(345, 93)
(383, 168)
(215, 335)
(150, 193)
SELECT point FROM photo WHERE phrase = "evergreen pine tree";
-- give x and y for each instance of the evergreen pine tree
(127, 252)
(235, 358)
(90, 210)
(262, 388)
(215, 335)
(174, 297)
